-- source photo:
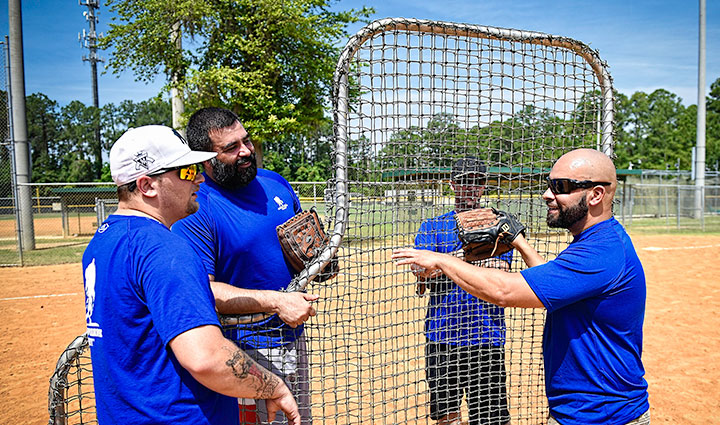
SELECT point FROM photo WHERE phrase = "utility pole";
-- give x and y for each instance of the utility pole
(700, 148)
(19, 125)
(89, 40)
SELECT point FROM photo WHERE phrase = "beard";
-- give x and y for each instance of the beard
(568, 216)
(232, 176)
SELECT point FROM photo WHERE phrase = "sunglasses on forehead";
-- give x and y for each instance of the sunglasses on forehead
(186, 172)
(565, 186)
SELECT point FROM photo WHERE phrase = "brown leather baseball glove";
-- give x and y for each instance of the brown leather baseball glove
(487, 232)
(302, 239)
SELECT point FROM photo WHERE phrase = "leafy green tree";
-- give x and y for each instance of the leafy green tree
(62, 140)
(142, 35)
(653, 131)
(44, 128)
(270, 62)
(293, 155)
(129, 114)
(514, 142)
(712, 130)
(75, 142)
(422, 149)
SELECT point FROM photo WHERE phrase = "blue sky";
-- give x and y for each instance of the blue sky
(647, 44)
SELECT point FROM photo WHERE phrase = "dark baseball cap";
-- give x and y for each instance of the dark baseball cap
(464, 168)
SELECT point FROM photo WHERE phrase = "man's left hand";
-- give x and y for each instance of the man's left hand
(294, 308)
(428, 261)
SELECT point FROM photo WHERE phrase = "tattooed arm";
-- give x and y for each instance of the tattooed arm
(220, 365)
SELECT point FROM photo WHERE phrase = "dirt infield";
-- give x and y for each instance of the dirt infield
(681, 350)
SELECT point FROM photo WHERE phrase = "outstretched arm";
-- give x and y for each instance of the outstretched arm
(220, 365)
(496, 286)
(293, 308)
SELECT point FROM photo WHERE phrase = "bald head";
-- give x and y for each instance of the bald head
(587, 164)
(584, 205)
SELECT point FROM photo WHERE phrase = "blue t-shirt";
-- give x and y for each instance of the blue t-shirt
(594, 292)
(454, 316)
(234, 234)
(143, 287)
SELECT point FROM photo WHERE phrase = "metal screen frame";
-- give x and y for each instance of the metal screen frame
(605, 142)
(338, 376)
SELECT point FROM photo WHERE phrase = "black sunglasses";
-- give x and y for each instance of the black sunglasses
(565, 186)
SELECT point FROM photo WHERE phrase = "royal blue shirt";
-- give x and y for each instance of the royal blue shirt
(143, 287)
(234, 232)
(594, 293)
(454, 316)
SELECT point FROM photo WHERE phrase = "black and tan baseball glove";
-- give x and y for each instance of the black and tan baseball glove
(302, 239)
(487, 232)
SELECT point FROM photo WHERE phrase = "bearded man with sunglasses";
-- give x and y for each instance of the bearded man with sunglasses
(235, 235)
(594, 293)
(158, 352)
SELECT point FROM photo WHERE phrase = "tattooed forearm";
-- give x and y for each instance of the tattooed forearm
(262, 381)
(240, 364)
(267, 383)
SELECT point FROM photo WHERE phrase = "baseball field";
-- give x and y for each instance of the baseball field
(42, 310)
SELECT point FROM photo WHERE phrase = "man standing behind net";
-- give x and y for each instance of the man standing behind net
(158, 354)
(234, 233)
(594, 293)
(464, 352)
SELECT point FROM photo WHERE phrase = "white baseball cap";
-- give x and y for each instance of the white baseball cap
(145, 150)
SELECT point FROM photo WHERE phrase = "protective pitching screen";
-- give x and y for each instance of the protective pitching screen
(433, 118)
(71, 397)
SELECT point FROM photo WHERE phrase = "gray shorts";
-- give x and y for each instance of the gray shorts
(644, 419)
(289, 362)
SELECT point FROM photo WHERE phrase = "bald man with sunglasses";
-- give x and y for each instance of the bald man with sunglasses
(158, 352)
(594, 293)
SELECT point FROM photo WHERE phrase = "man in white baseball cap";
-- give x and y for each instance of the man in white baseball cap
(149, 149)
(158, 353)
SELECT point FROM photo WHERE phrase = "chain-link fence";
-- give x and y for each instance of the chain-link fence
(672, 207)
(8, 213)
(66, 215)
(661, 201)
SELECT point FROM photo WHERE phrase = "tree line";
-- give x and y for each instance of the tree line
(653, 131)
(272, 64)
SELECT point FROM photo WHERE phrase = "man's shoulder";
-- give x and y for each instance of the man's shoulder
(604, 245)
(138, 234)
(441, 222)
(132, 225)
(211, 196)
(264, 174)
(443, 218)
(606, 234)
(277, 188)
(206, 189)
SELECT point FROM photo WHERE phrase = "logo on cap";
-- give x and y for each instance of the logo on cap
(179, 136)
(143, 160)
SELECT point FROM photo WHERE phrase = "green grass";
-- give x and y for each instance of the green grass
(669, 225)
(372, 227)
(46, 252)
(12, 243)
